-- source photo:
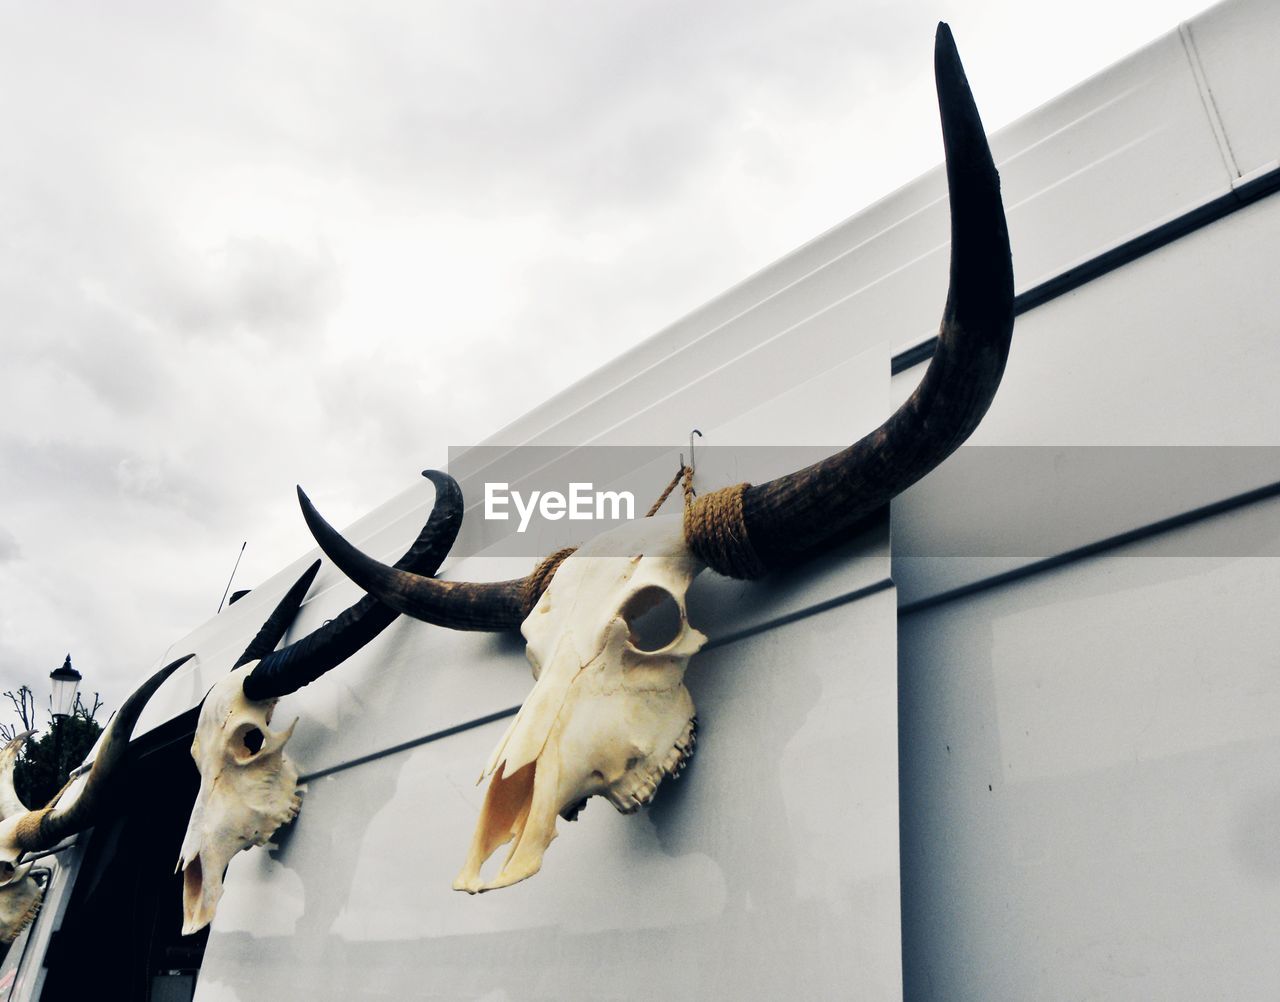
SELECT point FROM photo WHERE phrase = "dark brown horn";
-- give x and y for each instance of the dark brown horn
(304, 661)
(45, 828)
(790, 518)
(277, 625)
(459, 605)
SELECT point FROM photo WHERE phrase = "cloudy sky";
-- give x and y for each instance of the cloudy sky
(245, 245)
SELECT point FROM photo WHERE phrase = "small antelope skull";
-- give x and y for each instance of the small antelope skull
(248, 785)
(248, 789)
(609, 714)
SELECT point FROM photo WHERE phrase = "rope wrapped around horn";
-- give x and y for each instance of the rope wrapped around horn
(746, 531)
(45, 828)
(301, 663)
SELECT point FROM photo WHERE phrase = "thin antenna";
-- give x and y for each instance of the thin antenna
(233, 575)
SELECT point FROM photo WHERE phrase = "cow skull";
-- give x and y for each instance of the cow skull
(248, 789)
(609, 714)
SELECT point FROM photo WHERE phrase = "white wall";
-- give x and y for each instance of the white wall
(1090, 782)
(770, 867)
(728, 888)
(1089, 752)
(773, 869)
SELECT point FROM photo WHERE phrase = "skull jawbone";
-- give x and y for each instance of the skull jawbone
(619, 745)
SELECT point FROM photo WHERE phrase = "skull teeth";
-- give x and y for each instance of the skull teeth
(678, 759)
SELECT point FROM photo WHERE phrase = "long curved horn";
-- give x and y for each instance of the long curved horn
(459, 605)
(787, 519)
(277, 624)
(304, 661)
(45, 828)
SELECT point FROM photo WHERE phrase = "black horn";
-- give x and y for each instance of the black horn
(459, 605)
(793, 517)
(277, 624)
(790, 518)
(304, 661)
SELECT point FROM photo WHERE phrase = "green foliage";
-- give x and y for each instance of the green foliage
(49, 757)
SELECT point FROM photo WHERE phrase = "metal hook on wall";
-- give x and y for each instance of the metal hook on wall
(691, 434)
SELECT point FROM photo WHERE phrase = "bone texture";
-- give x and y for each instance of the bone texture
(248, 789)
(605, 718)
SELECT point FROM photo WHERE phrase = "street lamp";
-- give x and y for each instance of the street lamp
(65, 682)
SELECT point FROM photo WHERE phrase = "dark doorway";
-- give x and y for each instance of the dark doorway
(121, 937)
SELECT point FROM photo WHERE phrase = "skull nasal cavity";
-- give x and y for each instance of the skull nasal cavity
(253, 740)
(653, 617)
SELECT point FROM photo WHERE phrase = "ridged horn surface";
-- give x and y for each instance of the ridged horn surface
(794, 516)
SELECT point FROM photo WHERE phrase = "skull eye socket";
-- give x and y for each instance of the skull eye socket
(247, 742)
(653, 618)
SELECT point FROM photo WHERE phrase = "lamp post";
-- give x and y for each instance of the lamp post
(65, 683)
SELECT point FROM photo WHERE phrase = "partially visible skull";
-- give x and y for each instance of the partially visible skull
(20, 900)
(609, 714)
(24, 831)
(20, 895)
(248, 789)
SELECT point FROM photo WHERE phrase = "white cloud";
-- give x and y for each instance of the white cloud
(251, 244)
